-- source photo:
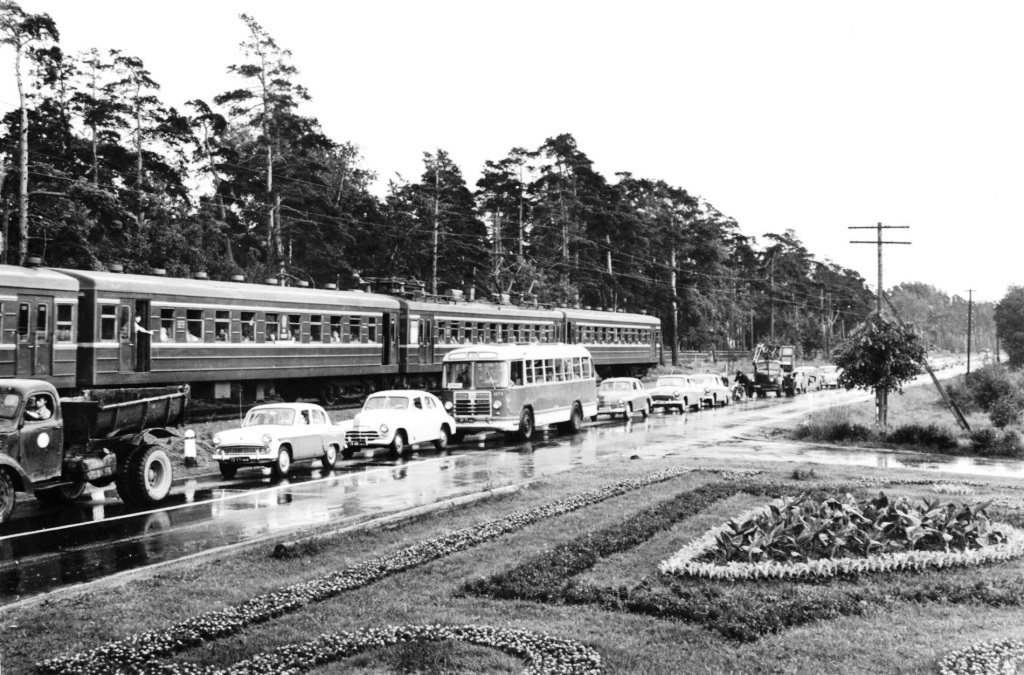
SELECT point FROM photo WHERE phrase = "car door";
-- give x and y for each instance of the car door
(417, 420)
(305, 435)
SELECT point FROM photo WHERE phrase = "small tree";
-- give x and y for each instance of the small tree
(1010, 324)
(880, 355)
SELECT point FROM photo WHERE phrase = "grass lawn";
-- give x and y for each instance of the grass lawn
(568, 564)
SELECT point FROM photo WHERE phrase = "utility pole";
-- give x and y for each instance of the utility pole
(881, 396)
(970, 298)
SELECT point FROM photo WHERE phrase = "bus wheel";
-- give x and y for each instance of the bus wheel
(525, 424)
(575, 422)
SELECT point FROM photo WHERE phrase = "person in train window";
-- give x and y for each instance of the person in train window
(222, 335)
(139, 328)
(335, 337)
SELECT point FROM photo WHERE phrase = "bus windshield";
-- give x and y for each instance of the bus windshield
(477, 375)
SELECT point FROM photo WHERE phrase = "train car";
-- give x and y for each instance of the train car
(38, 324)
(622, 344)
(233, 339)
(431, 328)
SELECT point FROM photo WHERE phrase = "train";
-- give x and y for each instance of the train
(242, 341)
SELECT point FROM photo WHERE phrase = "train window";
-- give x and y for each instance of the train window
(222, 325)
(441, 338)
(194, 325)
(415, 330)
(272, 327)
(42, 323)
(293, 331)
(108, 323)
(23, 310)
(335, 329)
(453, 332)
(124, 322)
(316, 333)
(167, 325)
(354, 329)
(248, 326)
(468, 332)
(371, 329)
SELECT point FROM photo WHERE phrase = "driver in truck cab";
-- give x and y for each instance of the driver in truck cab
(37, 409)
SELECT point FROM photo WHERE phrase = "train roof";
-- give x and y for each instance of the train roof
(600, 316)
(205, 289)
(41, 278)
(512, 352)
(476, 309)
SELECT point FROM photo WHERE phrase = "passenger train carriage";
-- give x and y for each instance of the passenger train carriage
(83, 329)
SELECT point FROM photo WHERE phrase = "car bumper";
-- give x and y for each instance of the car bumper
(229, 456)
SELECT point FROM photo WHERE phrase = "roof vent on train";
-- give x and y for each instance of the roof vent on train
(201, 276)
(158, 272)
(331, 286)
(500, 298)
(454, 294)
(302, 284)
(33, 261)
(270, 281)
(587, 307)
(116, 268)
(238, 278)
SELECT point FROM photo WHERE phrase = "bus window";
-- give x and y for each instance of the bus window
(457, 375)
(517, 373)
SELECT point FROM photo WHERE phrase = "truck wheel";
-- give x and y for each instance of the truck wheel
(280, 468)
(228, 470)
(62, 494)
(525, 425)
(146, 477)
(6, 496)
(330, 457)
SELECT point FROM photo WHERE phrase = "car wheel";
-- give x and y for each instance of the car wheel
(442, 439)
(397, 446)
(280, 468)
(628, 412)
(645, 412)
(330, 457)
(228, 470)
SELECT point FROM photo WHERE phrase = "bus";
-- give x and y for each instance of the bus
(519, 388)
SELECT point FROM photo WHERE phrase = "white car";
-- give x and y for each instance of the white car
(399, 419)
(828, 377)
(676, 391)
(716, 389)
(278, 435)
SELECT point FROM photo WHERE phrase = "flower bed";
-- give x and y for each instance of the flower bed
(138, 651)
(1000, 657)
(759, 528)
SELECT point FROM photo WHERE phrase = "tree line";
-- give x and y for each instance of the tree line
(96, 169)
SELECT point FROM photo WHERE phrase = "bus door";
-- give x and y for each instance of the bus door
(143, 341)
(35, 348)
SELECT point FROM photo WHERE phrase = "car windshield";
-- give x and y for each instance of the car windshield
(829, 369)
(386, 403)
(615, 386)
(671, 382)
(280, 416)
(705, 379)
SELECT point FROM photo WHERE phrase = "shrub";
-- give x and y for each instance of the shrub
(832, 426)
(991, 383)
(993, 442)
(1006, 410)
(925, 435)
(960, 394)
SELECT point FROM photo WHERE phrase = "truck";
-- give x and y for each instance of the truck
(52, 447)
(773, 371)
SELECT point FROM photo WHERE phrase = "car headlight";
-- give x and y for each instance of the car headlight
(677, 393)
(383, 429)
(268, 439)
(447, 405)
(496, 404)
(217, 440)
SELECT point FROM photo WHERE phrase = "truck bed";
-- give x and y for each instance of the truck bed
(108, 414)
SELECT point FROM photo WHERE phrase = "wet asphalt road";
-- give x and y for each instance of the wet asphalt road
(46, 548)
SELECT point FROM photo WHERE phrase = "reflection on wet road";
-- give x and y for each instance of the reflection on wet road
(46, 548)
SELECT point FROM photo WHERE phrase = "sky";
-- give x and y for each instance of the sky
(810, 116)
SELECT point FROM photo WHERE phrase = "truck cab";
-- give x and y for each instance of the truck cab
(31, 432)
